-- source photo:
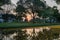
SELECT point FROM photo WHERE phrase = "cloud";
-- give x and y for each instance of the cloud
(14, 1)
(51, 3)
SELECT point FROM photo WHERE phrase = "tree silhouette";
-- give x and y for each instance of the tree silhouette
(21, 35)
(57, 1)
(2, 2)
(56, 13)
(19, 9)
(45, 35)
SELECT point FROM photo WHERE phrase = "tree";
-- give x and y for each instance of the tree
(45, 35)
(5, 17)
(40, 36)
(38, 5)
(1, 9)
(7, 1)
(48, 12)
(56, 13)
(19, 9)
(2, 2)
(21, 35)
(57, 1)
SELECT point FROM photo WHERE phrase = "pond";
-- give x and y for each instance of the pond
(29, 33)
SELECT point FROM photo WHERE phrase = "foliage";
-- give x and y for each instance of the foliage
(2, 2)
(1, 9)
(20, 8)
(38, 3)
(56, 13)
(57, 1)
(38, 6)
(7, 17)
(7, 32)
(46, 35)
(21, 35)
(51, 34)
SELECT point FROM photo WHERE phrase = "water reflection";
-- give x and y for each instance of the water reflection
(41, 33)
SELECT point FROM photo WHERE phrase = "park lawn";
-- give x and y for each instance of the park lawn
(29, 25)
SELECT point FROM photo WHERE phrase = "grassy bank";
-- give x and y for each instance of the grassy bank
(25, 25)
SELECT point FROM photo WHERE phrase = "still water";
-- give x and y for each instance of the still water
(27, 33)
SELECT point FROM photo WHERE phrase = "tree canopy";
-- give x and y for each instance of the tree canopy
(20, 8)
(57, 1)
(2, 2)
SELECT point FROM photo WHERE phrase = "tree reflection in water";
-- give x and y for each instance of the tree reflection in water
(29, 34)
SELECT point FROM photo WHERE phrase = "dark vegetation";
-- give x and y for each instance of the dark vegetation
(38, 6)
(42, 35)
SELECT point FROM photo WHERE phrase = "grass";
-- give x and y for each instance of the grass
(26, 25)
